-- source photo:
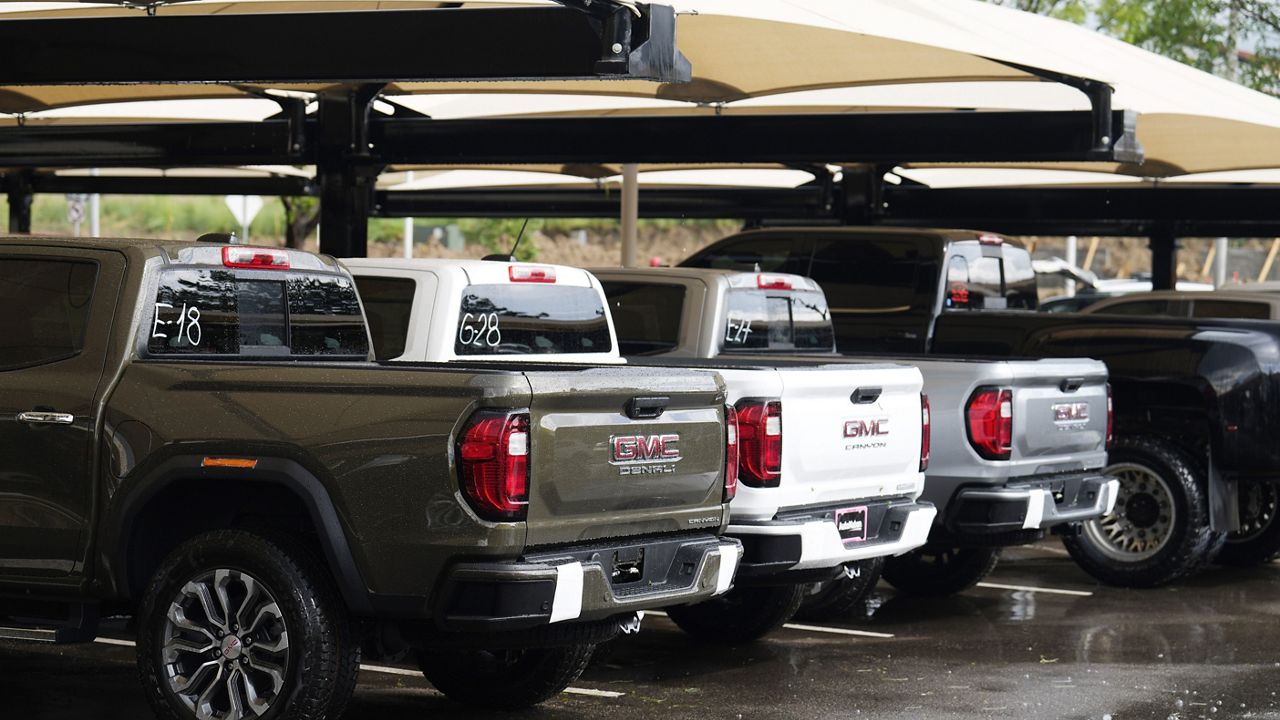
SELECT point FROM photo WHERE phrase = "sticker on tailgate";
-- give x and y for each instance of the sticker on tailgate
(852, 524)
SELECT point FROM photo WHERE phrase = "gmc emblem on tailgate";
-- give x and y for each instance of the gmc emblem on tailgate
(866, 428)
(644, 454)
(1071, 413)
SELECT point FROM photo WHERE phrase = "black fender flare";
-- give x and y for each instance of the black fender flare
(117, 531)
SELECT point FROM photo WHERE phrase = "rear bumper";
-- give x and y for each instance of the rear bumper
(1030, 505)
(809, 540)
(578, 583)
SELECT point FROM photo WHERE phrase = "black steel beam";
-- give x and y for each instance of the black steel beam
(270, 142)
(863, 137)
(820, 138)
(183, 185)
(798, 204)
(399, 46)
(1186, 211)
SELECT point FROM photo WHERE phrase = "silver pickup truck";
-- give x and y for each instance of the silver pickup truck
(1018, 446)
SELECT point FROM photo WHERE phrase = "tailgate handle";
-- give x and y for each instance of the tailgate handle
(1070, 385)
(647, 408)
(863, 396)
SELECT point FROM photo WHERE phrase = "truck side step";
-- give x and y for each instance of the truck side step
(81, 626)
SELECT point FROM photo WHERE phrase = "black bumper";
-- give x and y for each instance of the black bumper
(586, 583)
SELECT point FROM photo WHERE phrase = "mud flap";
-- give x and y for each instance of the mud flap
(1224, 500)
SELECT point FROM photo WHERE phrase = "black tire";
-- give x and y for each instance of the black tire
(838, 597)
(504, 679)
(1159, 531)
(1258, 540)
(938, 571)
(741, 615)
(321, 658)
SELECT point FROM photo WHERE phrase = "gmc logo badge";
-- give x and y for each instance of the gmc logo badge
(627, 449)
(866, 428)
(1071, 413)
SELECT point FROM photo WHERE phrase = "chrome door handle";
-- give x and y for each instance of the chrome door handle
(46, 418)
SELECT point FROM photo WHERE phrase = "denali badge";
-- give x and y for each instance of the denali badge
(1071, 413)
(866, 428)
(644, 454)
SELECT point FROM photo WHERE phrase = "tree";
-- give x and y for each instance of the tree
(301, 216)
(1236, 39)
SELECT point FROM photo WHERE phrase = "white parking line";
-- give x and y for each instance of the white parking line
(113, 641)
(1032, 588)
(810, 628)
(388, 670)
(836, 631)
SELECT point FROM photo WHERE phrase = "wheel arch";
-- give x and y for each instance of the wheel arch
(276, 494)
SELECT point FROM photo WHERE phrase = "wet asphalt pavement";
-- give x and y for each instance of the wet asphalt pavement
(1206, 648)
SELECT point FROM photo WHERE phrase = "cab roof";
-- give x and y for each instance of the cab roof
(172, 251)
(733, 278)
(478, 272)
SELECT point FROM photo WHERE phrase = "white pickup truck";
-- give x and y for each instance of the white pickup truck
(831, 457)
(1018, 445)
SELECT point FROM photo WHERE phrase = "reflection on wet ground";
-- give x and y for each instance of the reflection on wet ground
(1206, 648)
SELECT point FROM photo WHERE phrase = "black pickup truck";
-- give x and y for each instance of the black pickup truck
(193, 435)
(1197, 401)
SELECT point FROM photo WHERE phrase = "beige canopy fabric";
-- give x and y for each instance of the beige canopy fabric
(739, 49)
(782, 56)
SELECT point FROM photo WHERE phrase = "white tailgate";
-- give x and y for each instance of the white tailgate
(834, 450)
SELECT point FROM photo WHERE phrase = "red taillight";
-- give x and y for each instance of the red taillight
(772, 282)
(1111, 419)
(531, 273)
(925, 425)
(253, 258)
(990, 240)
(760, 442)
(990, 421)
(493, 464)
(730, 452)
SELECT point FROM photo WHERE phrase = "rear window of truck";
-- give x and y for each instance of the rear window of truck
(388, 305)
(210, 313)
(646, 316)
(760, 321)
(532, 319)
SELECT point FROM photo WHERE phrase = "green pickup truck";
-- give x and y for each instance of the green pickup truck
(193, 434)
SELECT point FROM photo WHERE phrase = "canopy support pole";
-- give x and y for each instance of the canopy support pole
(1073, 250)
(630, 212)
(1164, 257)
(1221, 250)
(20, 196)
(345, 173)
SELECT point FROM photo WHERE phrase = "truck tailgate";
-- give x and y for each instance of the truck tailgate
(838, 443)
(598, 473)
(1061, 406)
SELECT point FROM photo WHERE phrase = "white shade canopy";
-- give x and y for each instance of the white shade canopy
(781, 56)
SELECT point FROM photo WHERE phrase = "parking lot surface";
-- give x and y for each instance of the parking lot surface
(1038, 639)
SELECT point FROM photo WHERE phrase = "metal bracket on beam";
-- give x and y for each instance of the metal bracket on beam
(1118, 144)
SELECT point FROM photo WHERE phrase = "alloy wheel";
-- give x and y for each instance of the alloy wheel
(1141, 523)
(226, 646)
